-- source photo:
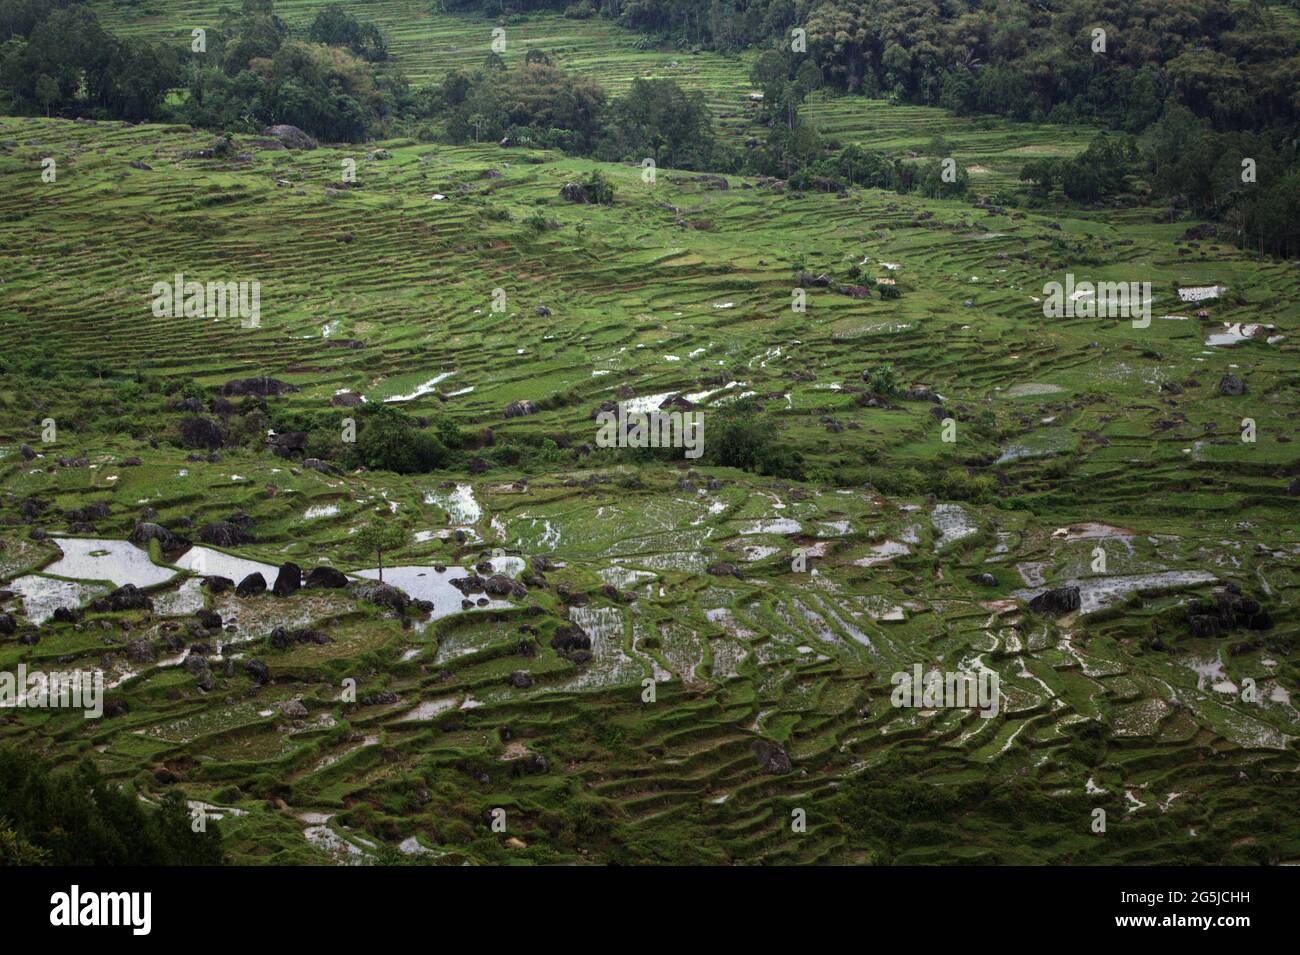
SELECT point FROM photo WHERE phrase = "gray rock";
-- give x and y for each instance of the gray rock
(141, 651)
(257, 671)
(251, 585)
(1060, 600)
(291, 136)
(382, 595)
(289, 580)
(224, 534)
(326, 577)
(197, 432)
(1230, 384)
(520, 408)
(772, 759)
(145, 532)
(262, 385)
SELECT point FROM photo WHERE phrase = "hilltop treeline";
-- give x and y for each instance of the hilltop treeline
(73, 816)
(55, 57)
(1228, 62)
(250, 71)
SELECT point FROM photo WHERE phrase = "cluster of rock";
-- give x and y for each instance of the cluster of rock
(1227, 610)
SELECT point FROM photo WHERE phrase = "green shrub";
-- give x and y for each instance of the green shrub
(388, 440)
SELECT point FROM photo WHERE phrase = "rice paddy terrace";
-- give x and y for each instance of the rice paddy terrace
(772, 683)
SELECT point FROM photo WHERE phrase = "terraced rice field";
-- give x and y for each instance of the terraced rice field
(771, 687)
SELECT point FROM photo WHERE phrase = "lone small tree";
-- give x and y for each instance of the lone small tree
(379, 535)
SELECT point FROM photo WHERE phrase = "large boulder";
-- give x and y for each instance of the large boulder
(346, 399)
(291, 136)
(772, 759)
(251, 585)
(224, 534)
(218, 585)
(915, 393)
(288, 444)
(381, 595)
(326, 577)
(570, 637)
(257, 671)
(146, 531)
(316, 464)
(499, 585)
(141, 651)
(520, 408)
(198, 432)
(1230, 384)
(468, 585)
(127, 597)
(288, 581)
(91, 512)
(1060, 600)
(262, 386)
(575, 192)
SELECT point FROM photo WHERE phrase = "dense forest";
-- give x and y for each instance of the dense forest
(73, 816)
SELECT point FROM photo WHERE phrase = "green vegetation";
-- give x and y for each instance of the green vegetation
(900, 447)
(76, 817)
